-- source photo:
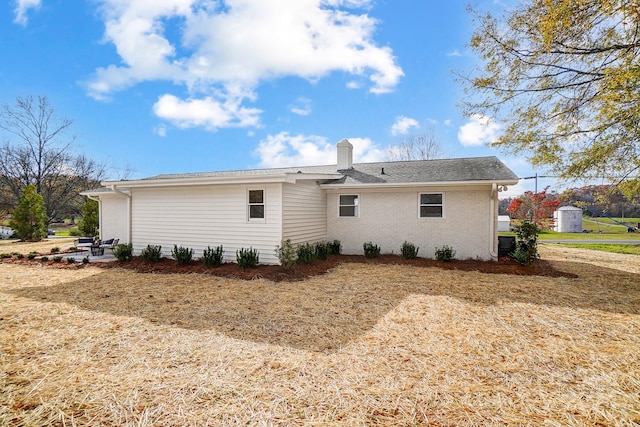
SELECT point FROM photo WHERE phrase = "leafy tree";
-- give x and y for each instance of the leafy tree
(37, 149)
(29, 218)
(416, 147)
(90, 220)
(536, 208)
(563, 77)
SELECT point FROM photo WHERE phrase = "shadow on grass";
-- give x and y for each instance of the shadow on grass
(326, 312)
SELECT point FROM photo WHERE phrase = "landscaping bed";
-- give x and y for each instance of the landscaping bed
(301, 271)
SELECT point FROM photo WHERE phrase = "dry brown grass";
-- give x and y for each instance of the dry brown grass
(362, 345)
(44, 246)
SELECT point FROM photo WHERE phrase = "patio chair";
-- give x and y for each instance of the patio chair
(109, 244)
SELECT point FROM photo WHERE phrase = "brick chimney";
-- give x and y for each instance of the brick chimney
(345, 155)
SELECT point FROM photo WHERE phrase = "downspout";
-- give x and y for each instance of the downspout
(492, 221)
(128, 196)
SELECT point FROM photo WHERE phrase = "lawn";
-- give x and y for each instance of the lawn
(361, 345)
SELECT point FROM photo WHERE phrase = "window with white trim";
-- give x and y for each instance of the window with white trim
(348, 205)
(256, 204)
(431, 205)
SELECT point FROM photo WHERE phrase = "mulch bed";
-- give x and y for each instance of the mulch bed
(301, 271)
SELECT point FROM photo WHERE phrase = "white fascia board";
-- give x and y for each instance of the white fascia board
(220, 180)
(418, 184)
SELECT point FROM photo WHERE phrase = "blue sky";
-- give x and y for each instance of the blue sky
(200, 85)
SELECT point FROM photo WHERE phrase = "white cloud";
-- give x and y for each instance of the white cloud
(240, 43)
(20, 11)
(206, 112)
(447, 122)
(284, 150)
(160, 130)
(455, 52)
(302, 107)
(403, 125)
(480, 130)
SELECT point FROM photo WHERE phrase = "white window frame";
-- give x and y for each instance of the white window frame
(263, 204)
(420, 205)
(356, 206)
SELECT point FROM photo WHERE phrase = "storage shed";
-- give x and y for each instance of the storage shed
(504, 223)
(568, 219)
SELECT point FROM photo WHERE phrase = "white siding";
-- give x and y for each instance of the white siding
(114, 217)
(304, 212)
(388, 218)
(201, 216)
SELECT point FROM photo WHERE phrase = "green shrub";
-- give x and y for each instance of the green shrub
(90, 219)
(85, 260)
(247, 258)
(44, 258)
(371, 250)
(526, 243)
(32, 255)
(182, 255)
(5, 255)
(409, 250)
(213, 256)
(322, 250)
(123, 252)
(19, 256)
(151, 253)
(57, 258)
(70, 260)
(75, 232)
(306, 253)
(445, 253)
(286, 253)
(336, 247)
(55, 250)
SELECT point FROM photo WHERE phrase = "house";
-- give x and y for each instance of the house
(430, 203)
(504, 223)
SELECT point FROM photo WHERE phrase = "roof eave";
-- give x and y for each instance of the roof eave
(220, 180)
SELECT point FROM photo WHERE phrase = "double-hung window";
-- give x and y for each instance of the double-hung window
(256, 204)
(348, 205)
(431, 205)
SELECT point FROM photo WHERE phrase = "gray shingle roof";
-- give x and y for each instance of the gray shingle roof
(417, 171)
(429, 171)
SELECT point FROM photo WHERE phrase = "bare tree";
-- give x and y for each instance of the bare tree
(37, 149)
(416, 147)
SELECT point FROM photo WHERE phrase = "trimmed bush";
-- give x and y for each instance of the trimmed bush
(55, 250)
(5, 255)
(44, 258)
(322, 250)
(85, 260)
(151, 253)
(70, 260)
(445, 253)
(32, 255)
(212, 257)
(409, 250)
(336, 247)
(286, 253)
(247, 258)
(182, 255)
(371, 250)
(123, 252)
(306, 253)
